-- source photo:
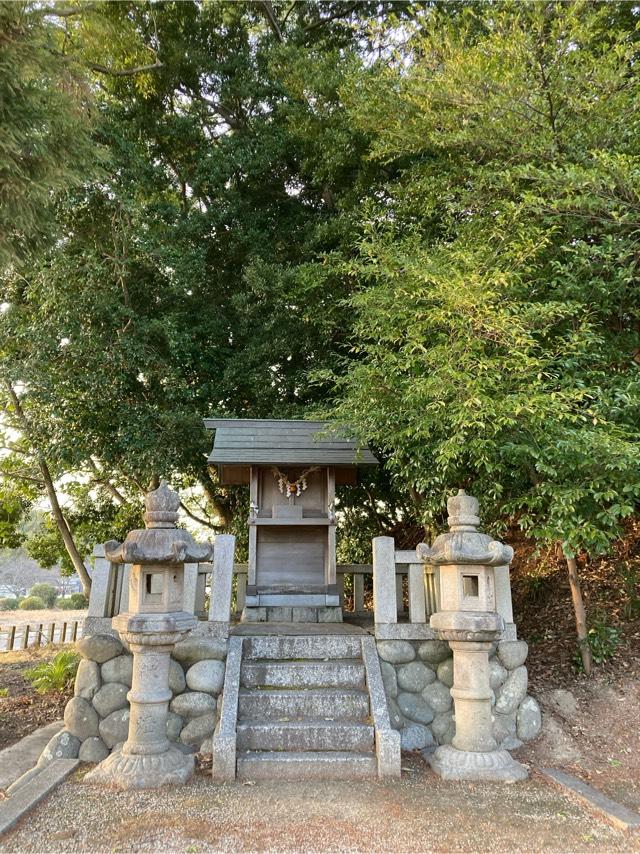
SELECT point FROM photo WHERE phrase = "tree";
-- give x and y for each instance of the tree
(196, 261)
(497, 306)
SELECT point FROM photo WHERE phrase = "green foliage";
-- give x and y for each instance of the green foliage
(79, 600)
(46, 144)
(630, 579)
(32, 603)
(497, 303)
(65, 604)
(197, 260)
(603, 639)
(55, 675)
(46, 592)
(9, 603)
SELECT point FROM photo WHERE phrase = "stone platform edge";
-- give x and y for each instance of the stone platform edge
(616, 814)
(32, 792)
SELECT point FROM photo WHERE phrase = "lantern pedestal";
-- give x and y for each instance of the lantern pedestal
(474, 753)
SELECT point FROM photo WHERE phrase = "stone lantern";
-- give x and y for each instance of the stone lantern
(469, 622)
(151, 627)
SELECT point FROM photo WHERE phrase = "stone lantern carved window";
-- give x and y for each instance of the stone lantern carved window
(154, 583)
(470, 586)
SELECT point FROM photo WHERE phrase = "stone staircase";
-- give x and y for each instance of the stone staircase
(304, 709)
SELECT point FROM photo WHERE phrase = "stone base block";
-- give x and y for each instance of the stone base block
(132, 771)
(493, 766)
(254, 615)
(292, 614)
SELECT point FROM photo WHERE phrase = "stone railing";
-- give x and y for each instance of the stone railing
(225, 582)
(389, 566)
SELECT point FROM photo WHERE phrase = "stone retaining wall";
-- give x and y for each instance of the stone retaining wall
(417, 679)
(96, 720)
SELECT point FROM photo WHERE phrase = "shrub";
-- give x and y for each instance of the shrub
(46, 592)
(603, 640)
(9, 603)
(65, 604)
(79, 600)
(31, 603)
(54, 675)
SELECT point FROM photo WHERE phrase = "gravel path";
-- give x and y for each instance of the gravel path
(420, 813)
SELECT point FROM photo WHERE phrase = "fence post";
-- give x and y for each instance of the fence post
(358, 593)
(241, 591)
(221, 584)
(100, 584)
(38, 637)
(50, 632)
(504, 605)
(417, 598)
(384, 581)
(25, 637)
(190, 594)
(11, 638)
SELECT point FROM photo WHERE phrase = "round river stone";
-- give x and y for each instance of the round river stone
(110, 698)
(99, 648)
(198, 649)
(396, 651)
(118, 669)
(193, 704)
(529, 719)
(93, 750)
(87, 679)
(415, 676)
(415, 708)
(206, 676)
(445, 672)
(114, 729)
(63, 745)
(438, 696)
(80, 718)
(513, 691)
(434, 651)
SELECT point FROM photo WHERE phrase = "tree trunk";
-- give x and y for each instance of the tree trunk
(56, 510)
(581, 615)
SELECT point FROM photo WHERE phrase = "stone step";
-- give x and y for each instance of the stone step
(324, 647)
(323, 703)
(323, 765)
(339, 673)
(304, 735)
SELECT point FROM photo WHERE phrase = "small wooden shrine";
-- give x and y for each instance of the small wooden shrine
(292, 469)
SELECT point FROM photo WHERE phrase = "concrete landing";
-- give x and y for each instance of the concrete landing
(22, 756)
(284, 629)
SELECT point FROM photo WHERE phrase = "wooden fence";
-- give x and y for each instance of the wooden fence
(27, 635)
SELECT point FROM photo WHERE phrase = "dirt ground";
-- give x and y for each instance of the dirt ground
(23, 710)
(419, 813)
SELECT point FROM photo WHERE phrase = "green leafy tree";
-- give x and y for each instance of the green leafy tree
(191, 279)
(496, 338)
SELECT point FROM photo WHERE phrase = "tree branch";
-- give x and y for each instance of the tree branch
(272, 19)
(200, 521)
(124, 72)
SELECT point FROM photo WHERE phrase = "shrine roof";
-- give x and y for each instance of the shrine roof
(244, 441)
